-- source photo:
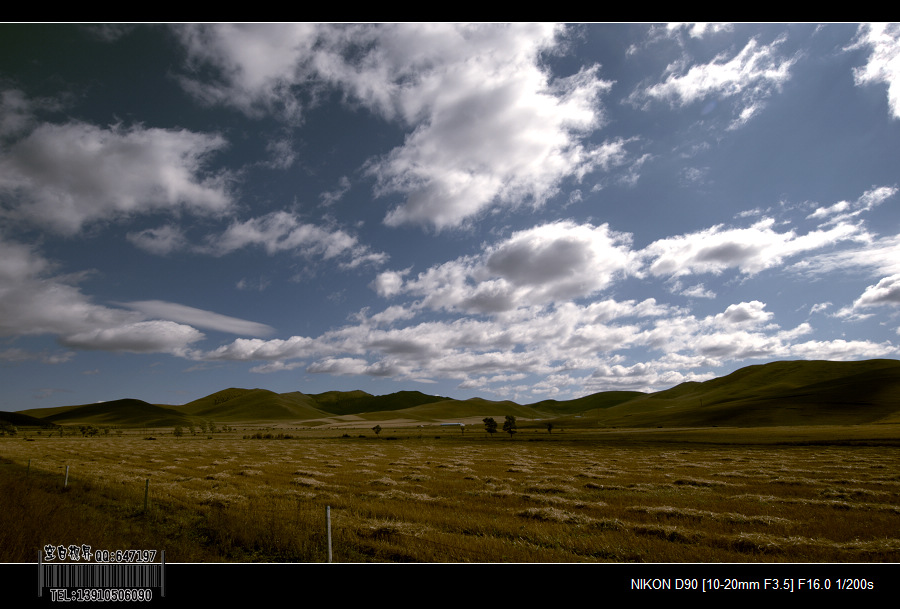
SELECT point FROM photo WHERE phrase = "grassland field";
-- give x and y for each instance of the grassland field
(412, 494)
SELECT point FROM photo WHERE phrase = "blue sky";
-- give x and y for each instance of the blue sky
(523, 211)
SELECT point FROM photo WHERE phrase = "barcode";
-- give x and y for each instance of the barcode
(102, 576)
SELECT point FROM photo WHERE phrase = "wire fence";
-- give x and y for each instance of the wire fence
(139, 496)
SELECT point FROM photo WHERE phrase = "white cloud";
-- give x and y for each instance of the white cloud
(257, 64)
(549, 263)
(64, 176)
(250, 349)
(880, 256)
(885, 292)
(750, 77)
(750, 250)
(744, 314)
(33, 301)
(160, 241)
(699, 30)
(841, 350)
(883, 65)
(331, 197)
(389, 283)
(552, 342)
(282, 231)
(198, 317)
(819, 307)
(508, 136)
(138, 337)
(843, 210)
(698, 291)
(489, 126)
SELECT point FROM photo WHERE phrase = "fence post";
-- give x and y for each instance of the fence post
(146, 492)
(328, 525)
(28, 471)
(66, 483)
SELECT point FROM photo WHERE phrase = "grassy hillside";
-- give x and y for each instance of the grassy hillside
(231, 405)
(605, 399)
(773, 394)
(357, 402)
(126, 412)
(778, 393)
(17, 419)
(474, 407)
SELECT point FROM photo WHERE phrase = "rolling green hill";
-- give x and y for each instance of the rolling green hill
(125, 412)
(356, 402)
(605, 399)
(777, 393)
(17, 419)
(448, 409)
(781, 393)
(232, 405)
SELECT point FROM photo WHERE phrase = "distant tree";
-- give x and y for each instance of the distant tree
(178, 431)
(509, 425)
(377, 429)
(490, 425)
(549, 427)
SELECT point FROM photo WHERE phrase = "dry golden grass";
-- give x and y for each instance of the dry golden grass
(455, 499)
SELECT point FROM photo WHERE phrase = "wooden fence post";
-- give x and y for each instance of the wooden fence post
(66, 483)
(328, 525)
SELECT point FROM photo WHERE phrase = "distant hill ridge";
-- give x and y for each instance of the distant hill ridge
(778, 393)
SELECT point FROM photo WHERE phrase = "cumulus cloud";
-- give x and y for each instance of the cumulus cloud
(256, 64)
(885, 292)
(352, 366)
(545, 264)
(883, 65)
(549, 345)
(750, 250)
(388, 283)
(745, 314)
(62, 177)
(488, 124)
(508, 137)
(750, 77)
(250, 349)
(140, 337)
